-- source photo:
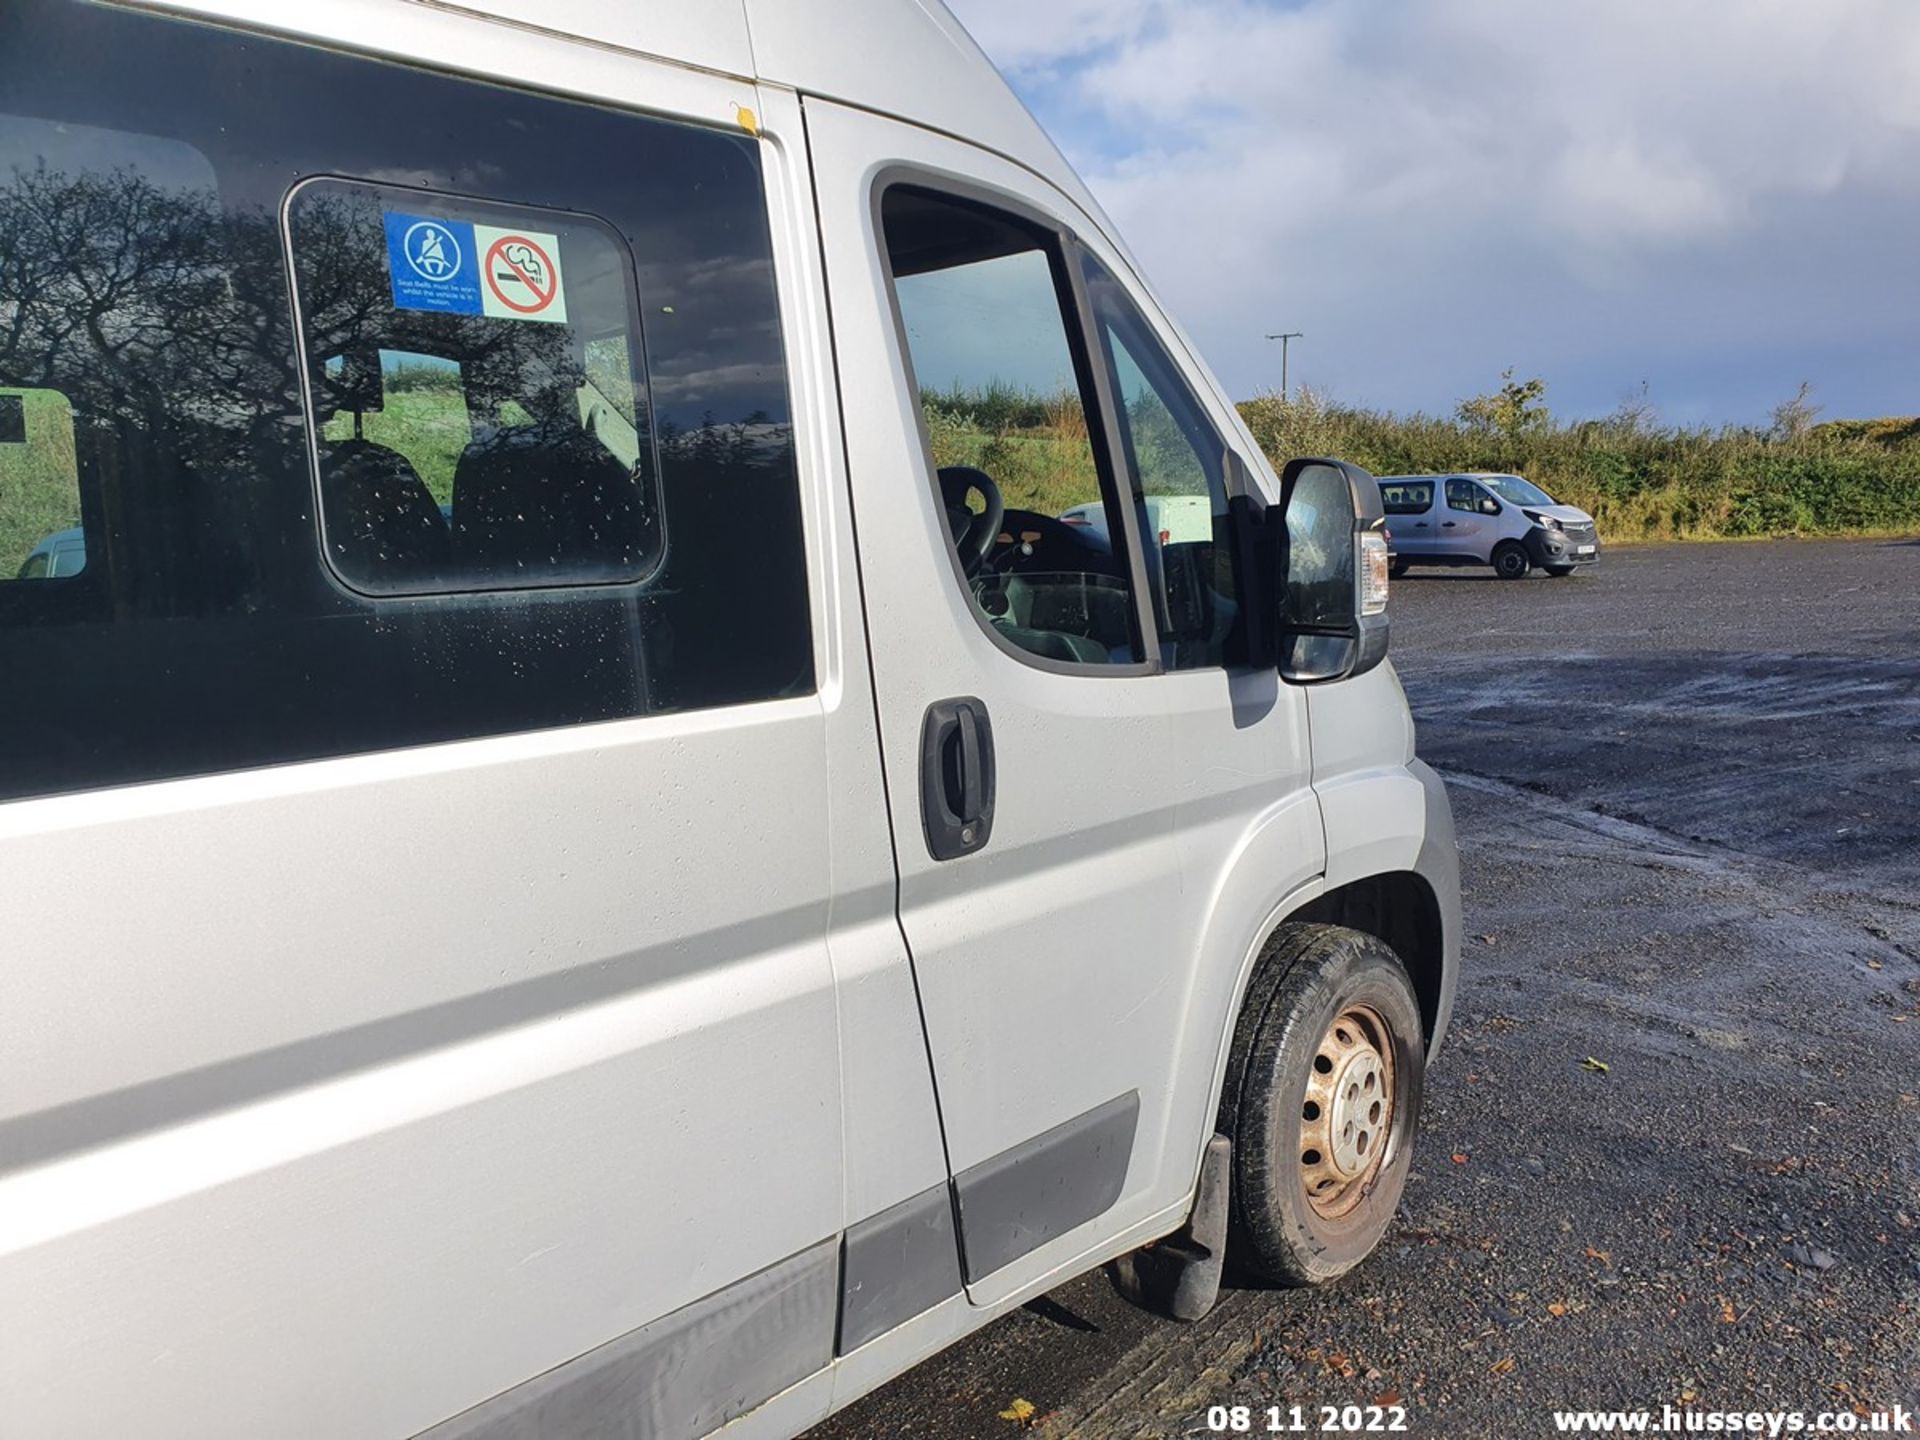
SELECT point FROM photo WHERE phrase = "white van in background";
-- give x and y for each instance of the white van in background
(1485, 518)
(569, 879)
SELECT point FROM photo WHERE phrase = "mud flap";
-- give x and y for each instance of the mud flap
(1180, 1275)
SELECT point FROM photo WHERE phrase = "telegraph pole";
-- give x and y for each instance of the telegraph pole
(1284, 339)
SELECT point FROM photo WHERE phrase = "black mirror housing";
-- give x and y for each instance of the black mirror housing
(1329, 559)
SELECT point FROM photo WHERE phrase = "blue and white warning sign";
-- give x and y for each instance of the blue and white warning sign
(458, 268)
(433, 264)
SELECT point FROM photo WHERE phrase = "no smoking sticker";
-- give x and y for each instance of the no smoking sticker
(520, 274)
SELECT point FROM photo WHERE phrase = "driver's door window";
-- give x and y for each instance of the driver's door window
(1177, 461)
(1465, 495)
(1024, 483)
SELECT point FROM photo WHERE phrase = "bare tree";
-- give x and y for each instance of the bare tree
(1793, 418)
(1636, 413)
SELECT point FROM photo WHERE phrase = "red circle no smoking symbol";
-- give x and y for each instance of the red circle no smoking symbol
(520, 274)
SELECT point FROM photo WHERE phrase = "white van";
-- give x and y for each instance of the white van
(563, 878)
(1485, 518)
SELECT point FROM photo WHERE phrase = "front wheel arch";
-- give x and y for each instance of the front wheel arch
(1399, 908)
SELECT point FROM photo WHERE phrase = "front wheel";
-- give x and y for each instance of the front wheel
(1510, 561)
(1322, 1102)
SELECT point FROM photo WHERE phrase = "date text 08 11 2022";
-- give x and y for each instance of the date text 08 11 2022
(1307, 1420)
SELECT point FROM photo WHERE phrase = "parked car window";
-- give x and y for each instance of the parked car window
(1466, 495)
(1177, 462)
(1518, 490)
(635, 542)
(1406, 497)
(41, 537)
(986, 317)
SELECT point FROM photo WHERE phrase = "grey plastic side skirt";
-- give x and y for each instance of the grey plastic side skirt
(896, 1265)
(1044, 1187)
(687, 1374)
(683, 1375)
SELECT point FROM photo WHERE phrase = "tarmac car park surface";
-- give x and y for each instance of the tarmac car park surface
(1687, 786)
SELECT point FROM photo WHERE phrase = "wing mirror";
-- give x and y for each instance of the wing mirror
(1489, 506)
(1330, 559)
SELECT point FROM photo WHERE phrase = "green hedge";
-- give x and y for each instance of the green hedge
(1638, 481)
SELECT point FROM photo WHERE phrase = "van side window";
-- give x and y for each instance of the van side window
(1407, 497)
(457, 492)
(466, 443)
(1177, 463)
(1465, 495)
(986, 318)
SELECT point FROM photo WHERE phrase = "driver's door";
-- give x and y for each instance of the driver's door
(1465, 527)
(1073, 949)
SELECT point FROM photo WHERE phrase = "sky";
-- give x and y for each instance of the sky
(1717, 199)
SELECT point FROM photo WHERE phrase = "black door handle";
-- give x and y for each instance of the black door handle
(1419, 524)
(1446, 524)
(956, 777)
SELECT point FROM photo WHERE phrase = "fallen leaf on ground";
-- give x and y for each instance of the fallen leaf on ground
(1592, 1064)
(1458, 1158)
(1602, 1256)
(1504, 1366)
(1727, 1317)
(1386, 1398)
(1556, 1309)
(1019, 1411)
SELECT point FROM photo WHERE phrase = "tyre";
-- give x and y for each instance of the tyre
(1559, 572)
(1510, 561)
(1322, 1103)
(1398, 568)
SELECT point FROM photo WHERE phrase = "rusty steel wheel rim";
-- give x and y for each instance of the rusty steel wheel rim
(1348, 1111)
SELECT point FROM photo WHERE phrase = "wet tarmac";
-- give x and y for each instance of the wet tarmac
(1688, 793)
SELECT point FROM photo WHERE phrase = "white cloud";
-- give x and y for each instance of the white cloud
(1024, 34)
(1720, 197)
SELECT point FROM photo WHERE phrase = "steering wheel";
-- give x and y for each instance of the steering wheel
(973, 535)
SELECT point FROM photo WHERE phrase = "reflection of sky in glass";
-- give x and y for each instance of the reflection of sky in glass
(994, 321)
(26, 143)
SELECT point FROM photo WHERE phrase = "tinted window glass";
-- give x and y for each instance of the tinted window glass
(1177, 461)
(207, 629)
(1406, 497)
(464, 441)
(1004, 396)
